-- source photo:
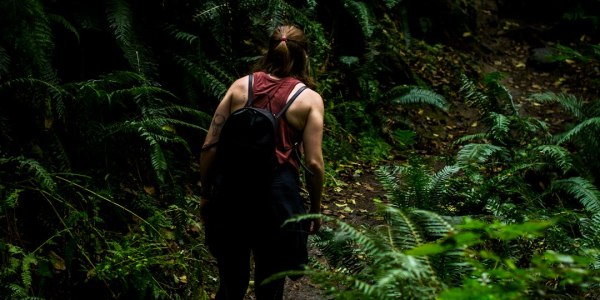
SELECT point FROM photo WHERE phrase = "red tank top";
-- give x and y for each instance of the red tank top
(272, 94)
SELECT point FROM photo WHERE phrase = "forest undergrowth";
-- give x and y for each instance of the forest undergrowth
(460, 142)
(505, 48)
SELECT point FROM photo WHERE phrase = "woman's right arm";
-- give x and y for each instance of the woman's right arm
(234, 96)
(312, 140)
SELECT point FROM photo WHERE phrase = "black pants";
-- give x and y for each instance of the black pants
(242, 222)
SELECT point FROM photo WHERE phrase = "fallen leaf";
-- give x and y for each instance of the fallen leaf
(559, 81)
(183, 279)
(48, 122)
(58, 263)
(149, 190)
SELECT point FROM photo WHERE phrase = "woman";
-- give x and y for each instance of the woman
(237, 228)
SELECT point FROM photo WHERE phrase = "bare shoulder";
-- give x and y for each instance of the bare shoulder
(239, 86)
(312, 98)
(238, 93)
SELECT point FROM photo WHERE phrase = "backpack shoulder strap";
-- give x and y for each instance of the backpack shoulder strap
(250, 91)
(289, 103)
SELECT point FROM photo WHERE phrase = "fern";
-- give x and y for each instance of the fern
(11, 200)
(414, 187)
(438, 184)
(590, 228)
(209, 82)
(39, 172)
(559, 155)
(585, 126)
(500, 126)
(4, 62)
(472, 94)
(361, 12)
(387, 272)
(34, 41)
(582, 190)
(210, 12)
(481, 136)
(181, 35)
(66, 24)
(422, 96)
(498, 92)
(26, 263)
(120, 20)
(570, 103)
(478, 154)
(406, 233)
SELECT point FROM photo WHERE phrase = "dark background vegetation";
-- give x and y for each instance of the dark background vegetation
(480, 118)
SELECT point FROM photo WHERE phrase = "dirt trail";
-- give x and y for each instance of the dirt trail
(509, 51)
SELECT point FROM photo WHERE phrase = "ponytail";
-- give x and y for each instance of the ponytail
(287, 55)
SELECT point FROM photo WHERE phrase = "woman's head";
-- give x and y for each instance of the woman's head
(287, 54)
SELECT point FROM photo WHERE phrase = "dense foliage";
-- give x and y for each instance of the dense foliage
(105, 104)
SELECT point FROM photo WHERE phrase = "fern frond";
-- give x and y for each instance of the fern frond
(36, 41)
(26, 263)
(500, 126)
(124, 78)
(179, 109)
(438, 184)
(211, 12)
(51, 87)
(181, 35)
(119, 17)
(137, 91)
(471, 93)
(120, 20)
(40, 175)
(559, 155)
(11, 200)
(497, 91)
(422, 96)
(4, 62)
(361, 12)
(392, 3)
(433, 224)
(477, 154)
(590, 229)
(582, 190)
(480, 136)
(17, 291)
(571, 104)
(406, 233)
(588, 124)
(65, 23)
(209, 82)
(387, 177)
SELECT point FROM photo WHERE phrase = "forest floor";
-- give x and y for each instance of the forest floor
(504, 48)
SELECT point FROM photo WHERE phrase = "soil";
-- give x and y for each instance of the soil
(503, 45)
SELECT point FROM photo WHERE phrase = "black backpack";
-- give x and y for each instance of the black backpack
(246, 148)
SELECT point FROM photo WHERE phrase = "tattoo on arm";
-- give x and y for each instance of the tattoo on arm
(217, 124)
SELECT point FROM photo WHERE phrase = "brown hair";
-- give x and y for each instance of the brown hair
(287, 55)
